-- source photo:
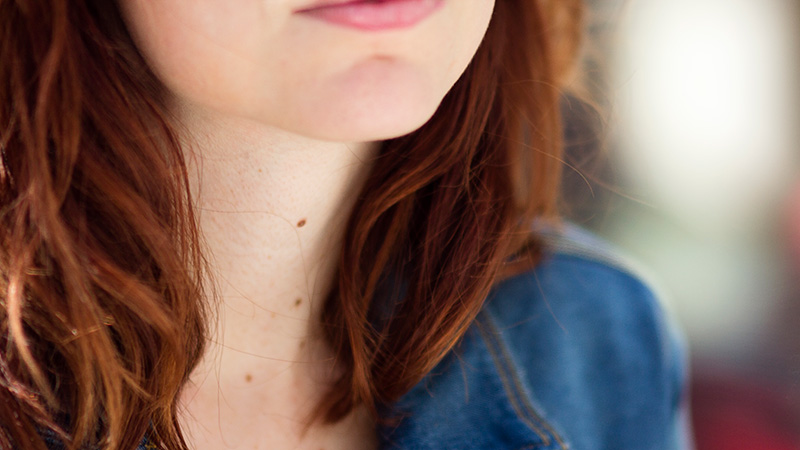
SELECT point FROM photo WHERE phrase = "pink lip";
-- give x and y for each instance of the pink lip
(373, 15)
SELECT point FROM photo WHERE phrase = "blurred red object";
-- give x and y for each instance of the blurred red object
(793, 226)
(743, 414)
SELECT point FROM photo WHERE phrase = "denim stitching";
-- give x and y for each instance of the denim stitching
(501, 370)
(511, 395)
(518, 385)
(513, 386)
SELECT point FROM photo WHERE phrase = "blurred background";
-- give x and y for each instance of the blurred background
(690, 163)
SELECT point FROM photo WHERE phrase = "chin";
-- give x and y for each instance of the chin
(376, 127)
(366, 121)
(372, 102)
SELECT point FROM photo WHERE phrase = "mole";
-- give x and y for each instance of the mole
(248, 378)
(298, 302)
(301, 223)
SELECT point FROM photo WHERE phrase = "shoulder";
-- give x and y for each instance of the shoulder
(575, 353)
(589, 342)
(583, 287)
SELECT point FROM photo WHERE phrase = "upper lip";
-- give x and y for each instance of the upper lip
(327, 3)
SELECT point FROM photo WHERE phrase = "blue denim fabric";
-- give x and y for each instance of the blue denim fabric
(575, 354)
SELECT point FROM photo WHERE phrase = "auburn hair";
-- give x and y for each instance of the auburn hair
(104, 312)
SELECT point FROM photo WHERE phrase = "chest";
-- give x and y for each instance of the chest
(224, 426)
(276, 438)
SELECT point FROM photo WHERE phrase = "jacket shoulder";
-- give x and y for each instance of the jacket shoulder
(583, 285)
(591, 345)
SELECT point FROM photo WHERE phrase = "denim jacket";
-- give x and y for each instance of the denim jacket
(575, 354)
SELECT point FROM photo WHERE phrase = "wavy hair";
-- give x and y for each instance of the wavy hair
(103, 310)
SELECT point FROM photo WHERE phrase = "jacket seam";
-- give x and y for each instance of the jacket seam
(560, 244)
(513, 387)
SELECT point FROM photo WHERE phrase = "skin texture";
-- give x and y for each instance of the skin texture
(280, 115)
(260, 60)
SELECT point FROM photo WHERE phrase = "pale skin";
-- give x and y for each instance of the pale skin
(280, 117)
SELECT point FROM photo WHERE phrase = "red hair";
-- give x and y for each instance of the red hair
(104, 313)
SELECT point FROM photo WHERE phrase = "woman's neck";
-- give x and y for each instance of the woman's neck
(272, 210)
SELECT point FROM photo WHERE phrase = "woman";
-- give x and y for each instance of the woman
(275, 224)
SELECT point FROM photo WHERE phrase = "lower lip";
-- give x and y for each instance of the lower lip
(375, 15)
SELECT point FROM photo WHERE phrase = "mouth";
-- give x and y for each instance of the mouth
(371, 15)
